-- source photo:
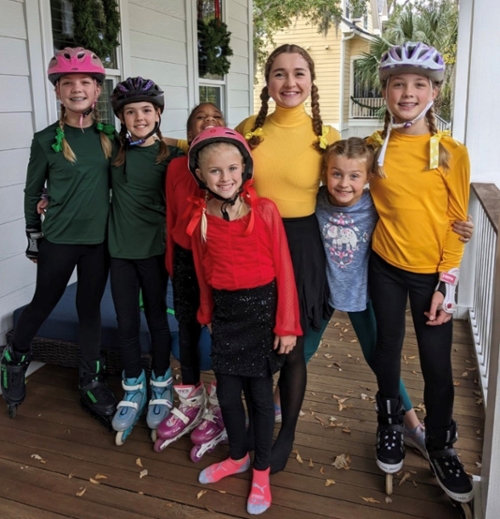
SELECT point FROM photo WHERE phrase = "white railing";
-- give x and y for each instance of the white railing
(441, 123)
(365, 107)
(479, 301)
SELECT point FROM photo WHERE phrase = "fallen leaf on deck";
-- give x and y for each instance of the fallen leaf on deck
(414, 372)
(141, 493)
(346, 430)
(94, 481)
(412, 471)
(143, 473)
(301, 413)
(329, 482)
(412, 357)
(456, 383)
(311, 464)
(322, 470)
(354, 340)
(369, 499)
(201, 493)
(138, 462)
(478, 431)
(313, 393)
(414, 484)
(479, 465)
(321, 421)
(70, 475)
(406, 476)
(471, 369)
(388, 499)
(100, 476)
(342, 461)
(349, 356)
(465, 374)
(327, 355)
(364, 396)
(222, 491)
(36, 457)
(336, 324)
(81, 491)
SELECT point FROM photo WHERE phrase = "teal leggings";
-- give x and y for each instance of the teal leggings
(365, 326)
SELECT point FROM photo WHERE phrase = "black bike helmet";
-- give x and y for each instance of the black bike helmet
(135, 90)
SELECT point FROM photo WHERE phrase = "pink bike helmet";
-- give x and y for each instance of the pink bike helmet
(211, 135)
(412, 58)
(75, 60)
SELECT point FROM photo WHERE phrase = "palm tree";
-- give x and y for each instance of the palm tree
(434, 23)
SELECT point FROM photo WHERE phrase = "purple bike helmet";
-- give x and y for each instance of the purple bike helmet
(135, 90)
(412, 58)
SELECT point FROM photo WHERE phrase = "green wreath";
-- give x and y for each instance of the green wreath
(85, 29)
(213, 47)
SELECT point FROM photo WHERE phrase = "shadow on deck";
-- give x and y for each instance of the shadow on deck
(56, 462)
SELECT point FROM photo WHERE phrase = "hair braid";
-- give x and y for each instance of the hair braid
(444, 155)
(106, 145)
(204, 221)
(317, 122)
(68, 153)
(260, 119)
(387, 121)
(122, 138)
(163, 152)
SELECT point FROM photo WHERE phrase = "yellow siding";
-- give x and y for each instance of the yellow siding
(355, 47)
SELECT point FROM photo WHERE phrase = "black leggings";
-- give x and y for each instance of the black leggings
(389, 289)
(260, 391)
(54, 268)
(127, 278)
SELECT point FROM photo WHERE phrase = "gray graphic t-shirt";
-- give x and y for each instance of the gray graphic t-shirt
(346, 233)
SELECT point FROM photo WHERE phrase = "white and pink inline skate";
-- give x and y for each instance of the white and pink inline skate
(182, 420)
(211, 431)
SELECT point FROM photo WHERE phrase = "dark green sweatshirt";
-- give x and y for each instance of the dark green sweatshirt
(137, 219)
(78, 193)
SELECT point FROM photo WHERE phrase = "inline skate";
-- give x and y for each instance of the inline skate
(211, 431)
(95, 396)
(390, 438)
(131, 407)
(192, 403)
(449, 471)
(162, 396)
(13, 369)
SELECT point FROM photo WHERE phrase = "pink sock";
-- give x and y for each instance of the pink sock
(259, 499)
(228, 467)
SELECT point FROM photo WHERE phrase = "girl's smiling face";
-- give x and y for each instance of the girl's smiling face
(205, 116)
(345, 180)
(78, 92)
(140, 119)
(289, 82)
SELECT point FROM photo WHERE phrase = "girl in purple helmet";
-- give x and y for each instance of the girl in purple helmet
(71, 157)
(416, 254)
(248, 298)
(137, 249)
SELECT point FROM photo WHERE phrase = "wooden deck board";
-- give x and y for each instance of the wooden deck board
(75, 449)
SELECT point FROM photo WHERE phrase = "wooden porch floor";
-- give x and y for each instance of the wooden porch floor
(53, 457)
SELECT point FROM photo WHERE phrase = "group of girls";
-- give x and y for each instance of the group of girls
(265, 303)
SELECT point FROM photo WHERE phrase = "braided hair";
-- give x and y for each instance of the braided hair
(317, 122)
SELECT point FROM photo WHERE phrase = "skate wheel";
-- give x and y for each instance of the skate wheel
(12, 411)
(194, 454)
(388, 484)
(158, 446)
(120, 438)
(466, 511)
(154, 435)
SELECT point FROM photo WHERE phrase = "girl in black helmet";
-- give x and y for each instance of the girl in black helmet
(137, 250)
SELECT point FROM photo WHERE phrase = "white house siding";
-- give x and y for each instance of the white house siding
(158, 37)
(16, 129)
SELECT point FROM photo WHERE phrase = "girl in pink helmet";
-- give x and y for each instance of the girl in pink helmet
(417, 255)
(71, 157)
(248, 298)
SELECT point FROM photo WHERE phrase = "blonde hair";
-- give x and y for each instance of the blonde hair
(352, 148)
(317, 122)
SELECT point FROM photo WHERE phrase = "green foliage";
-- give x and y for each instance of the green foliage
(213, 47)
(272, 16)
(86, 32)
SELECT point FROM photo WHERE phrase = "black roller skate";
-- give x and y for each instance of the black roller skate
(449, 471)
(390, 438)
(95, 396)
(13, 378)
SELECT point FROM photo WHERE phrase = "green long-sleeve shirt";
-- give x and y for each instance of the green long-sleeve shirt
(78, 193)
(137, 219)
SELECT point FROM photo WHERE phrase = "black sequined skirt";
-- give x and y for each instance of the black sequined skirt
(242, 332)
(185, 285)
(309, 266)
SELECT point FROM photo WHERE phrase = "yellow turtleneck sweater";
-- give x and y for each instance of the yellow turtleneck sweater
(418, 205)
(287, 168)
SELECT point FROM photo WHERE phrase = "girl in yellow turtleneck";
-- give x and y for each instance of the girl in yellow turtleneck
(287, 150)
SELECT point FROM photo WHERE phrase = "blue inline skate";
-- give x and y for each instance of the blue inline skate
(162, 397)
(130, 409)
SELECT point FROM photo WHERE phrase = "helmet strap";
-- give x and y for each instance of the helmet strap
(154, 131)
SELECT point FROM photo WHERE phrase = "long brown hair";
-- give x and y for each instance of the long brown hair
(317, 122)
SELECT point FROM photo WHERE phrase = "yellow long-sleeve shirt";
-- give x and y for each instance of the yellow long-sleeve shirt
(418, 205)
(287, 168)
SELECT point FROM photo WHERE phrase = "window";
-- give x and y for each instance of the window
(62, 36)
(211, 87)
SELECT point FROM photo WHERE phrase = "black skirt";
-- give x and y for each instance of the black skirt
(185, 285)
(242, 332)
(309, 266)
